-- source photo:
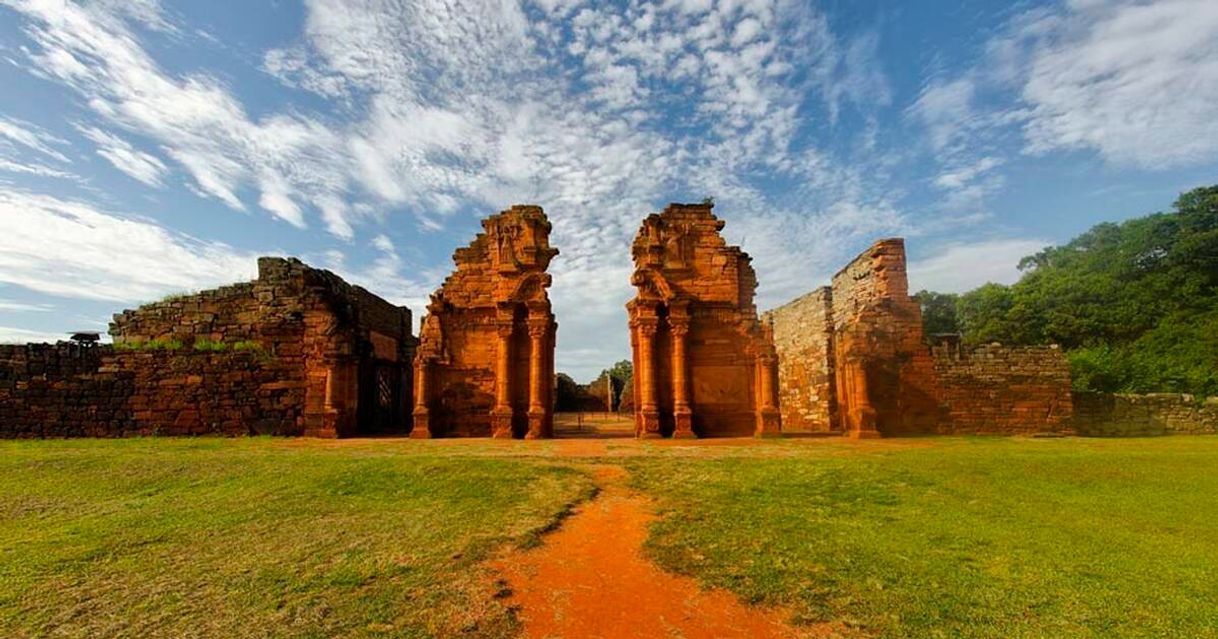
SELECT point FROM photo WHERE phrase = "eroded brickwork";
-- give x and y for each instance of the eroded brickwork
(485, 364)
(885, 378)
(703, 363)
(803, 337)
(853, 359)
(1004, 390)
(297, 351)
(1131, 415)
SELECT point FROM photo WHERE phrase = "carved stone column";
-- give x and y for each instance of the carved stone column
(501, 414)
(768, 418)
(539, 329)
(648, 425)
(683, 415)
(422, 414)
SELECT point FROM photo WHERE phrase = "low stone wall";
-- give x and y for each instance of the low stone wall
(65, 390)
(55, 390)
(1128, 415)
(996, 389)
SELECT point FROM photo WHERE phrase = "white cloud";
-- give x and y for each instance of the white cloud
(957, 268)
(946, 109)
(11, 335)
(193, 118)
(33, 168)
(71, 249)
(13, 306)
(1136, 81)
(474, 105)
(32, 137)
(145, 167)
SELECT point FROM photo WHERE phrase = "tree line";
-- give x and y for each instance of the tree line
(1134, 305)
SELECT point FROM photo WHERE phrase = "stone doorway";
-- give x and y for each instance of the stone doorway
(383, 392)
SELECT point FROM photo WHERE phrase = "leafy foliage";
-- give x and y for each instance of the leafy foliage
(1135, 304)
(938, 312)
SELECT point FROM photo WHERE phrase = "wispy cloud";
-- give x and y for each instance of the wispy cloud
(145, 167)
(960, 267)
(71, 249)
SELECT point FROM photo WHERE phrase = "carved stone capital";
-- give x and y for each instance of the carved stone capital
(679, 329)
(538, 329)
(645, 325)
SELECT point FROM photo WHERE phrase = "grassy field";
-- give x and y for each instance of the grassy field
(261, 538)
(958, 537)
(302, 538)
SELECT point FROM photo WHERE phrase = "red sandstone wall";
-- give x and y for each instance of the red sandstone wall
(880, 353)
(499, 285)
(853, 357)
(688, 276)
(65, 390)
(803, 336)
(335, 333)
(1001, 390)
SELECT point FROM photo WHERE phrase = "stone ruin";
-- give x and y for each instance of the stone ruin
(853, 359)
(297, 351)
(485, 363)
(703, 363)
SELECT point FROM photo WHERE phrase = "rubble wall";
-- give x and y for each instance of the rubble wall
(1131, 415)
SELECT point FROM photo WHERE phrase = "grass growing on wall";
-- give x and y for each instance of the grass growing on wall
(259, 537)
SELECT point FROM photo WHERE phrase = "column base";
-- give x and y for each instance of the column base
(864, 419)
(537, 424)
(684, 428)
(422, 424)
(501, 423)
(769, 423)
(649, 425)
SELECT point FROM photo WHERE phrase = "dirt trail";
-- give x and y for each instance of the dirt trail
(589, 579)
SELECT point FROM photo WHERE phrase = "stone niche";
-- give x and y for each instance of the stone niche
(704, 364)
(485, 362)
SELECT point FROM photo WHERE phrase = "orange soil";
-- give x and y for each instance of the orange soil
(590, 580)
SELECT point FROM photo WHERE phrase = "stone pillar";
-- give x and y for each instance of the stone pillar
(538, 332)
(649, 409)
(501, 414)
(768, 418)
(422, 414)
(682, 413)
(861, 414)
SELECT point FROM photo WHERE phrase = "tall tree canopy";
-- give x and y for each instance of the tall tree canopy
(1134, 304)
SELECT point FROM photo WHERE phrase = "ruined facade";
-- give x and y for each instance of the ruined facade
(297, 351)
(703, 363)
(485, 363)
(853, 359)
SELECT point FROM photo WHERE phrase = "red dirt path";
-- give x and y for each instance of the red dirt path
(590, 580)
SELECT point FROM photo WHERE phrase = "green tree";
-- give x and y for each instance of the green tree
(1135, 304)
(938, 312)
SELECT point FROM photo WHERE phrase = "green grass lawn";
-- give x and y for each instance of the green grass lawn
(974, 537)
(957, 538)
(260, 538)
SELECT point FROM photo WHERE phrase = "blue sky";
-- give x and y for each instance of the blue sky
(148, 148)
